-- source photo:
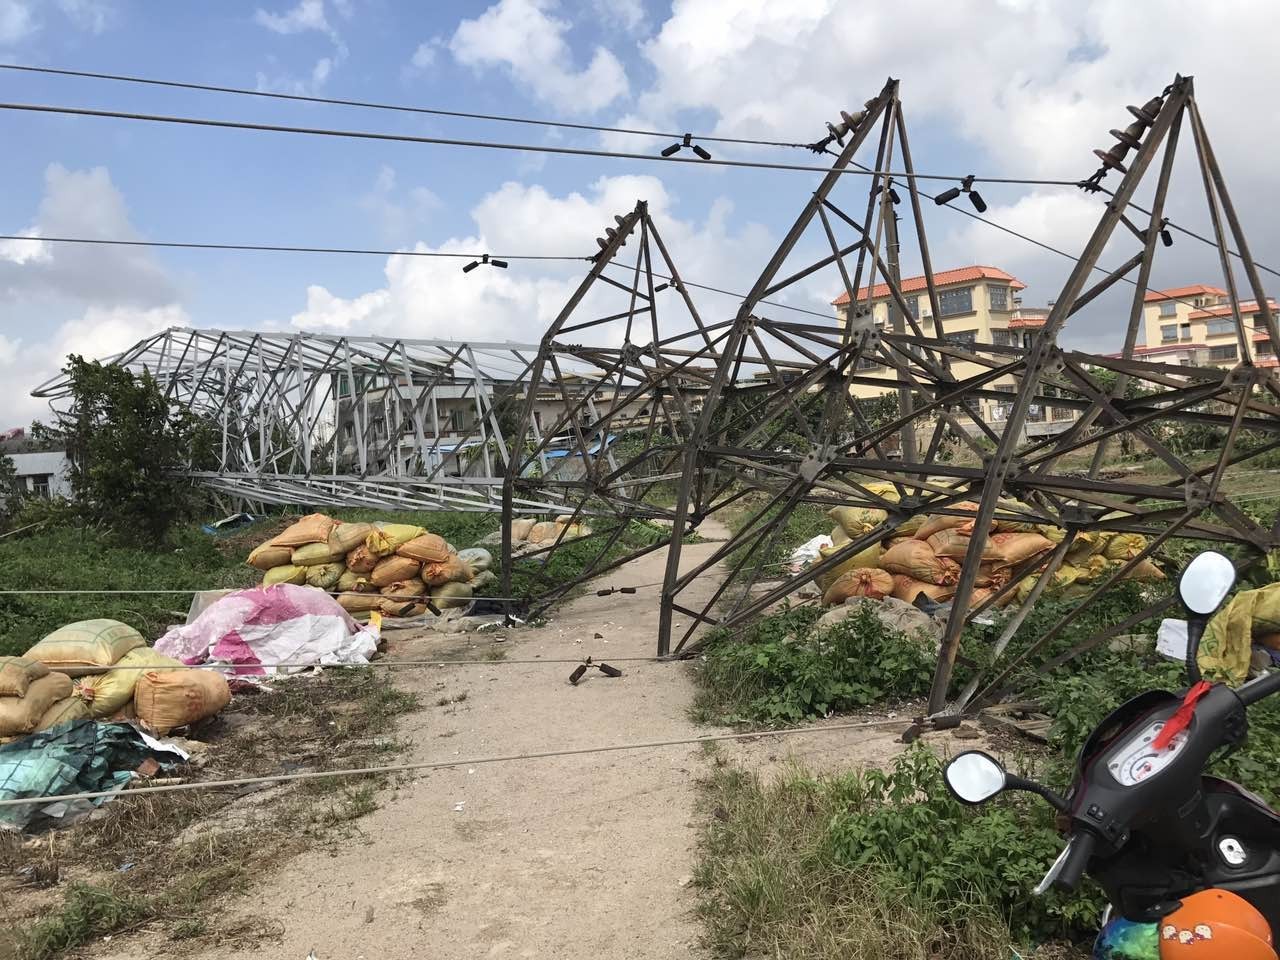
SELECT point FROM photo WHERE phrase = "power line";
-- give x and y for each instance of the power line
(434, 111)
(445, 764)
(274, 248)
(399, 108)
(495, 145)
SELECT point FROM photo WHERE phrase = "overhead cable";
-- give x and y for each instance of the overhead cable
(493, 145)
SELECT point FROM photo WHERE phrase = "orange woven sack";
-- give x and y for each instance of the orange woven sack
(451, 570)
(313, 528)
(428, 548)
(391, 569)
(165, 699)
(917, 560)
(864, 582)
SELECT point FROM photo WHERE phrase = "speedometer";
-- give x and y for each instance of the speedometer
(1136, 759)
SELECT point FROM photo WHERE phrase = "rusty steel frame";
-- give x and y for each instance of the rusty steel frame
(721, 399)
(812, 367)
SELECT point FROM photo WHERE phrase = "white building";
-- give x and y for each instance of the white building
(41, 472)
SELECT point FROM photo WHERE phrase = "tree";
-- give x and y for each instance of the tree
(126, 443)
(11, 490)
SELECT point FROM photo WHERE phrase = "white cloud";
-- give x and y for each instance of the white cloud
(522, 36)
(432, 297)
(626, 14)
(16, 21)
(398, 212)
(100, 332)
(91, 15)
(306, 17)
(82, 203)
(425, 55)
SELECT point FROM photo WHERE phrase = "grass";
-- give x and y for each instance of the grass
(774, 880)
(187, 850)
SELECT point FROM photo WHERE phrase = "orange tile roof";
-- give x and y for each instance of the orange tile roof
(1267, 362)
(1017, 323)
(940, 278)
(1224, 309)
(1174, 293)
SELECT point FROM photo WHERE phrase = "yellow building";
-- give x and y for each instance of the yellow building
(979, 304)
(1193, 326)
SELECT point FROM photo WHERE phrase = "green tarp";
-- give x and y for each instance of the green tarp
(78, 757)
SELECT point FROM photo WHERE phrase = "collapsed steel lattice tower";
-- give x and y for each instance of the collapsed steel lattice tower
(810, 368)
(758, 406)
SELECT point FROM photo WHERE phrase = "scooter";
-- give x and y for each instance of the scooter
(1190, 863)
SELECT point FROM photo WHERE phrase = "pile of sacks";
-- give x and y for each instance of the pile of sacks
(924, 553)
(103, 670)
(535, 534)
(389, 567)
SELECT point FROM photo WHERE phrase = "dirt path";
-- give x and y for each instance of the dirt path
(579, 857)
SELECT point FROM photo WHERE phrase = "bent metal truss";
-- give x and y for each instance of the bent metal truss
(761, 411)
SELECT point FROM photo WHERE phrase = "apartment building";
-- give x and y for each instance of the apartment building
(1194, 326)
(978, 304)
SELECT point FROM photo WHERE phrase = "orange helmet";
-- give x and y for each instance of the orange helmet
(1215, 925)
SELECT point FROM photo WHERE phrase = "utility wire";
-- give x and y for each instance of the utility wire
(402, 108)
(274, 248)
(399, 108)
(1191, 233)
(444, 764)
(496, 145)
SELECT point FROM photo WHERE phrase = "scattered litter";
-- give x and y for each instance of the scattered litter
(78, 757)
(807, 552)
(586, 665)
(457, 807)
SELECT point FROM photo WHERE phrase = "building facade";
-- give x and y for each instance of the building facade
(42, 471)
(979, 305)
(1194, 326)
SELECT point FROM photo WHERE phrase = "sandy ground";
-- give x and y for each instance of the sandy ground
(575, 857)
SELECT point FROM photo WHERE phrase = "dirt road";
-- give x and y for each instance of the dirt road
(577, 857)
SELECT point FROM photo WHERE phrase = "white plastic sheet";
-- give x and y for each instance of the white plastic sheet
(254, 630)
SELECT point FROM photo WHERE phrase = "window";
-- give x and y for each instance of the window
(1222, 353)
(458, 420)
(869, 363)
(40, 485)
(1184, 331)
(1217, 328)
(999, 297)
(1005, 338)
(1264, 348)
(1169, 333)
(1168, 309)
(952, 302)
(913, 306)
(964, 337)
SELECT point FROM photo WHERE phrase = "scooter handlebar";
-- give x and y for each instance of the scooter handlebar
(1079, 850)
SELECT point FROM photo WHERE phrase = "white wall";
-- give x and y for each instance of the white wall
(53, 463)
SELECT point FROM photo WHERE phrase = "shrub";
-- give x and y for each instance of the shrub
(125, 442)
(780, 669)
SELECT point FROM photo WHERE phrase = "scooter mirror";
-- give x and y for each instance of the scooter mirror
(1205, 583)
(974, 776)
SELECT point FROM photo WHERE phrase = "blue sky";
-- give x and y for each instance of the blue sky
(1014, 88)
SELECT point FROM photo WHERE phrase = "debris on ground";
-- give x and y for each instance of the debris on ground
(257, 629)
(78, 757)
